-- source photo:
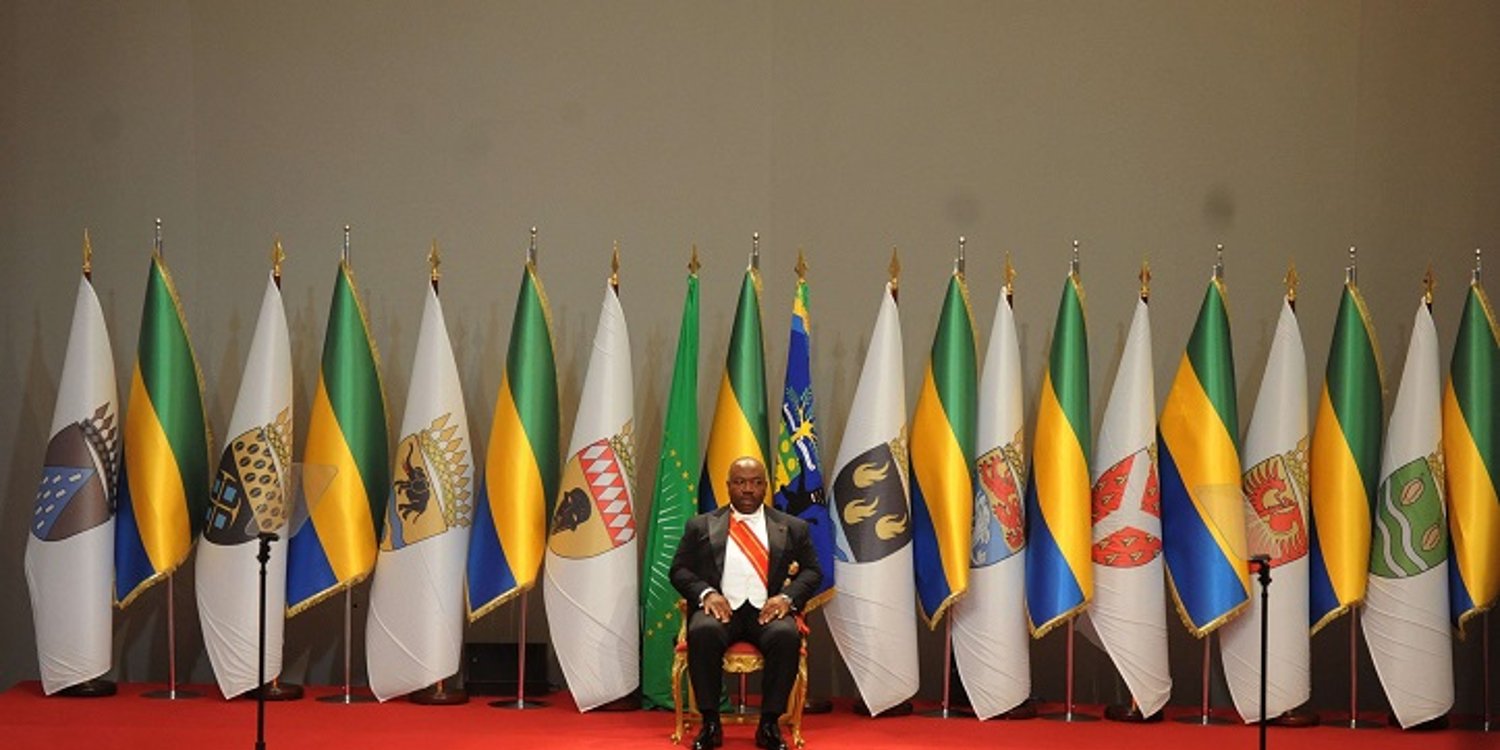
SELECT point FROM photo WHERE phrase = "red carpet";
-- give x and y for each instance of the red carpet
(29, 720)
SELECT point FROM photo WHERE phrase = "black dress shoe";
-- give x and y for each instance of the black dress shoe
(710, 736)
(768, 736)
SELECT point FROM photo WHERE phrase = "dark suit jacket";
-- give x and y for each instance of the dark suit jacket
(699, 562)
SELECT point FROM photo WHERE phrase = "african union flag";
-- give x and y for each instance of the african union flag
(739, 428)
(942, 458)
(1345, 464)
(164, 482)
(1202, 508)
(1471, 443)
(521, 465)
(346, 469)
(1059, 496)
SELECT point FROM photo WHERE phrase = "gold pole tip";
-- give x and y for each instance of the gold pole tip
(1145, 277)
(801, 267)
(693, 264)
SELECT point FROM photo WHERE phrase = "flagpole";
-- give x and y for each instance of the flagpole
(276, 690)
(1351, 277)
(520, 703)
(171, 693)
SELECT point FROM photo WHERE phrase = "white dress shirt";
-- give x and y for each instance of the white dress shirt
(741, 583)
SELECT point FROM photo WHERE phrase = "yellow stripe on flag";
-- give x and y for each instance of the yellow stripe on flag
(515, 491)
(1063, 488)
(1479, 517)
(156, 493)
(342, 518)
(731, 439)
(1338, 502)
(942, 472)
(1208, 463)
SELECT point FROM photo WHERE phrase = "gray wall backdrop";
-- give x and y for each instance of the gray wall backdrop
(1153, 129)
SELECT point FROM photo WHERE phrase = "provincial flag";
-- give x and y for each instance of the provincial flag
(990, 639)
(250, 493)
(798, 476)
(590, 581)
(70, 550)
(739, 428)
(1405, 615)
(1202, 510)
(164, 482)
(942, 458)
(346, 463)
(1471, 443)
(673, 501)
(1059, 568)
(415, 630)
(1129, 611)
(520, 471)
(871, 619)
(1274, 482)
(1345, 464)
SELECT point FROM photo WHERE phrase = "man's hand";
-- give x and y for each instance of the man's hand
(777, 607)
(717, 606)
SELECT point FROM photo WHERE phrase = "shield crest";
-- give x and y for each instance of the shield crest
(593, 513)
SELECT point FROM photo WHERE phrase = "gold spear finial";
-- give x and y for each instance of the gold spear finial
(693, 264)
(434, 260)
(614, 268)
(801, 267)
(1009, 275)
(278, 256)
(1145, 277)
(1429, 283)
(1291, 281)
(88, 256)
(895, 271)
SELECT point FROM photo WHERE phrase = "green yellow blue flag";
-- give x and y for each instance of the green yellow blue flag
(672, 503)
(1471, 445)
(1345, 464)
(1059, 496)
(740, 422)
(164, 483)
(346, 464)
(1202, 508)
(521, 465)
(942, 458)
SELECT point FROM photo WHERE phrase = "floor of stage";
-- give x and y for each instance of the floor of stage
(128, 720)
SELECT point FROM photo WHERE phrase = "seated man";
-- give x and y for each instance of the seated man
(733, 567)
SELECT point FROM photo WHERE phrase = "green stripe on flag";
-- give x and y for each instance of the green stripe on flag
(1353, 381)
(351, 377)
(1212, 356)
(532, 376)
(1476, 362)
(953, 365)
(1069, 364)
(746, 363)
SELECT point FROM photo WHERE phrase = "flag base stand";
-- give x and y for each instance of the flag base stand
(96, 688)
(900, 709)
(817, 706)
(518, 704)
(1355, 723)
(171, 694)
(347, 697)
(1204, 720)
(282, 691)
(1296, 718)
(1070, 717)
(1130, 713)
(439, 694)
(1027, 710)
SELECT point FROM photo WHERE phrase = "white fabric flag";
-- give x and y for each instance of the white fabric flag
(248, 495)
(70, 551)
(1128, 614)
(991, 639)
(590, 582)
(414, 633)
(873, 619)
(1274, 459)
(1406, 607)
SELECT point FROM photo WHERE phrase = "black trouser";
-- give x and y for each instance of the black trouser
(779, 643)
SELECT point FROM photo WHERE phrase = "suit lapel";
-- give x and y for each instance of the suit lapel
(718, 536)
(776, 544)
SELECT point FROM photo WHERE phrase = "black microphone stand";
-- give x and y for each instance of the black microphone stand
(264, 556)
(1261, 564)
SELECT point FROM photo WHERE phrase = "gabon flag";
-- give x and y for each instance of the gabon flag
(1471, 445)
(346, 464)
(164, 483)
(521, 464)
(1345, 463)
(740, 426)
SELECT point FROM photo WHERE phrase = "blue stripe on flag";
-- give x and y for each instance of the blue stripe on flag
(1322, 598)
(932, 582)
(132, 565)
(489, 573)
(1205, 581)
(307, 572)
(1051, 586)
(1459, 601)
